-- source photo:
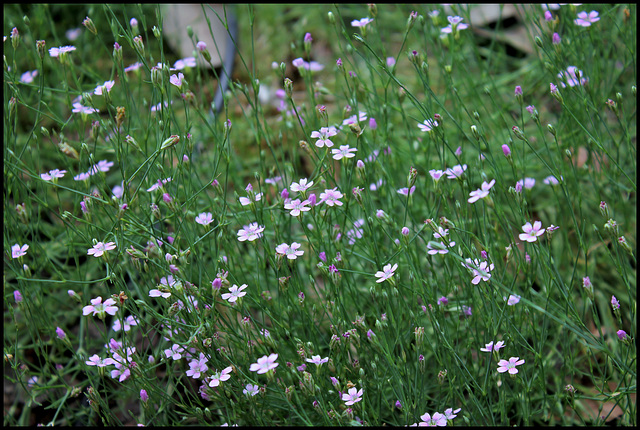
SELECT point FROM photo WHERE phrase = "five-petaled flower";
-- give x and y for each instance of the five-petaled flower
(205, 218)
(99, 308)
(251, 390)
(234, 293)
(344, 152)
(53, 174)
(331, 197)
(437, 419)
(100, 248)
(481, 192)
(512, 300)
(386, 273)
(250, 232)
(586, 19)
(352, 396)
(264, 364)
(324, 136)
(315, 359)
(510, 365)
(479, 269)
(531, 233)
(18, 251)
(290, 251)
(301, 186)
(219, 377)
(55, 52)
(198, 366)
(176, 80)
(296, 206)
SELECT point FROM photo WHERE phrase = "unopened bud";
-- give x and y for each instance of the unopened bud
(41, 47)
(169, 142)
(474, 132)
(538, 41)
(332, 19)
(288, 87)
(519, 134)
(88, 23)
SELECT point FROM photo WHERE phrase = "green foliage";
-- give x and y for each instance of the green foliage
(416, 337)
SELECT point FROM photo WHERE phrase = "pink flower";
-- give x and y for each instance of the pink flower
(128, 322)
(450, 413)
(95, 360)
(176, 80)
(489, 347)
(100, 248)
(344, 152)
(531, 233)
(251, 390)
(27, 77)
(479, 269)
(53, 174)
(174, 352)
(407, 191)
(106, 87)
(455, 171)
(352, 396)
(386, 273)
(431, 421)
(264, 364)
(197, 367)
(301, 186)
(512, 300)
(244, 201)
(482, 192)
(219, 377)
(428, 125)
(585, 20)
(234, 293)
(55, 52)
(297, 207)
(509, 366)
(361, 22)
(250, 232)
(98, 308)
(315, 359)
(291, 252)
(323, 136)
(550, 180)
(572, 76)
(455, 22)
(205, 218)
(528, 183)
(18, 251)
(436, 174)
(331, 197)
(184, 63)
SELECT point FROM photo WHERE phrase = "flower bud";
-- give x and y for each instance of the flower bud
(519, 134)
(41, 47)
(138, 45)
(604, 210)
(373, 10)
(332, 19)
(625, 245)
(538, 41)
(170, 141)
(288, 87)
(474, 132)
(88, 23)
(15, 38)
(117, 53)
